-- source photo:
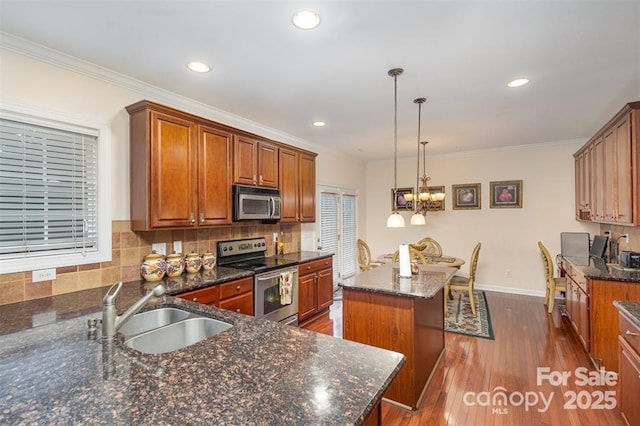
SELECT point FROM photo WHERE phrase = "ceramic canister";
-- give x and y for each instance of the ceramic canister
(175, 265)
(154, 267)
(208, 261)
(193, 263)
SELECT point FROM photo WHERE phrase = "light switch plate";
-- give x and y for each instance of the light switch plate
(160, 248)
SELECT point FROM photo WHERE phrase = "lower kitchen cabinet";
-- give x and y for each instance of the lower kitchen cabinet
(315, 288)
(629, 374)
(233, 296)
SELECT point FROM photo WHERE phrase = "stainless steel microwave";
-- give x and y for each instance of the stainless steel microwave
(255, 203)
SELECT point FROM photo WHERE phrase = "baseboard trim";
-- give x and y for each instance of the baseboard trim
(510, 290)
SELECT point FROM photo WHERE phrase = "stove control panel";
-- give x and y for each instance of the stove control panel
(246, 246)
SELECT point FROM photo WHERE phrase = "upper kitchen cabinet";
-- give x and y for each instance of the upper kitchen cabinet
(180, 170)
(297, 185)
(255, 162)
(607, 171)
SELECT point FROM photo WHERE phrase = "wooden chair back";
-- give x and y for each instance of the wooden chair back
(364, 255)
(432, 247)
(414, 254)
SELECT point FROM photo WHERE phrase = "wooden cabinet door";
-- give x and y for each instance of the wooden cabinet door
(571, 303)
(289, 178)
(623, 179)
(599, 179)
(267, 165)
(307, 188)
(214, 177)
(173, 184)
(242, 303)
(583, 324)
(629, 381)
(207, 296)
(307, 305)
(325, 288)
(245, 161)
(610, 175)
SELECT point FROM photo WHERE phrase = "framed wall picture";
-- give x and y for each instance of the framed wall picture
(435, 206)
(398, 200)
(466, 196)
(506, 194)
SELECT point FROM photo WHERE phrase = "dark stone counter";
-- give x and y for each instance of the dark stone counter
(630, 309)
(54, 371)
(385, 279)
(599, 270)
(307, 256)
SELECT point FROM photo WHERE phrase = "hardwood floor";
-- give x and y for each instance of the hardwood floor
(474, 369)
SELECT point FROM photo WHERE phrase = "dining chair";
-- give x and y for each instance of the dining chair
(431, 247)
(415, 255)
(464, 283)
(364, 256)
(553, 283)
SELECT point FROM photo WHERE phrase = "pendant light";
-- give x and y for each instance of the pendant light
(395, 220)
(418, 218)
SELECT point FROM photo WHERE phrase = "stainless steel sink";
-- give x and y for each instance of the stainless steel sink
(177, 335)
(150, 320)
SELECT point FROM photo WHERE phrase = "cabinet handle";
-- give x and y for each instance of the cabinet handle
(201, 217)
(254, 179)
(629, 333)
(238, 287)
(238, 310)
(261, 179)
(195, 299)
(192, 218)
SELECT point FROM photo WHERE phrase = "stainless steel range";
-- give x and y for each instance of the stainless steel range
(275, 284)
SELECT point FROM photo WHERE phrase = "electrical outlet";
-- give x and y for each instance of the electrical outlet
(160, 248)
(275, 236)
(177, 246)
(626, 238)
(43, 275)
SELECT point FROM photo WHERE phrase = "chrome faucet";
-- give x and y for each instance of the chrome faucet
(111, 321)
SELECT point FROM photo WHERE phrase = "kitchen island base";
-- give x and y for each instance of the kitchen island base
(413, 326)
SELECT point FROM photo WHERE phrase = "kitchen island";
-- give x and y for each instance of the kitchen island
(405, 315)
(54, 370)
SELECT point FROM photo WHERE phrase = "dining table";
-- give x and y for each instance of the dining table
(444, 260)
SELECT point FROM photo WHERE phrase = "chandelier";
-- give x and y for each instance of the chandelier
(424, 199)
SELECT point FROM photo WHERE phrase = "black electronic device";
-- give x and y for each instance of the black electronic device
(630, 259)
(598, 246)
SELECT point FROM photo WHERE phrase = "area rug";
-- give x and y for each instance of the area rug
(462, 321)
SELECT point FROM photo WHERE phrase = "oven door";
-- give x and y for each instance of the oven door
(268, 302)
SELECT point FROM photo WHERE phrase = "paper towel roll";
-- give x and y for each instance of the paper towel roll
(405, 284)
(404, 260)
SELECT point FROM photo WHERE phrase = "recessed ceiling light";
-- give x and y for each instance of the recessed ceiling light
(319, 123)
(518, 82)
(306, 19)
(198, 67)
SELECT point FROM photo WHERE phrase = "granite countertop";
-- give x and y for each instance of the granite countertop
(630, 309)
(385, 279)
(55, 371)
(600, 270)
(307, 256)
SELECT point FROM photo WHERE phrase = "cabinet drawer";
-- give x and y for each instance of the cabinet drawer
(242, 304)
(235, 288)
(206, 296)
(316, 265)
(629, 332)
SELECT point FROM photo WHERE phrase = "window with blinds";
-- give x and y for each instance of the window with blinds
(348, 233)
(329, 228)
(338, 231)
(48, 192)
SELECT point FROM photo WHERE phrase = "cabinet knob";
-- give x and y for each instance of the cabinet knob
(629, 333)
(192, 218)
(238, 287)
(195, 299)
(238, 310)
(201, 217)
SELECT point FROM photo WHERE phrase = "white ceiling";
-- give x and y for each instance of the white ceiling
(582, 57)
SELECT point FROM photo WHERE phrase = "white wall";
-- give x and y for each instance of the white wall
(100, 96)
(509, 236)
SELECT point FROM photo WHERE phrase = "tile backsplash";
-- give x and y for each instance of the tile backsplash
(128, 251)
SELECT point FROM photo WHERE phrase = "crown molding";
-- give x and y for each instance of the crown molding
(148, 91)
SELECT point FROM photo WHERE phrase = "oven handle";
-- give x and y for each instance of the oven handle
(265, 276)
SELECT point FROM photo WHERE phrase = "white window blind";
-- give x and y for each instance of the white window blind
(348, 239)
(48, 190)
(329, 227)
